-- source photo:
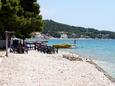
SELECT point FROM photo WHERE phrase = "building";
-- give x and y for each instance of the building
(37, 37)
(63, 35)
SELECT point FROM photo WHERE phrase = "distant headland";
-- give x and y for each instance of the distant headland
(55, 29)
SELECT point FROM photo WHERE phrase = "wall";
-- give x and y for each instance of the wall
(2, 44)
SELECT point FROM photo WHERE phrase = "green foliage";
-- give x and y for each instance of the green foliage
(21, 16)
(54, 28)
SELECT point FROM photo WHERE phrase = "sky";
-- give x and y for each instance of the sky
(98, 14)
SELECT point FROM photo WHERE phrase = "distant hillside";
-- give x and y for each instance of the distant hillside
(54, 29)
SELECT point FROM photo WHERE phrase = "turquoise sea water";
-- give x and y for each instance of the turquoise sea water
(103, 51)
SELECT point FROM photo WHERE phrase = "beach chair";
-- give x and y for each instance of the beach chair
(14, 45)
(25, 48)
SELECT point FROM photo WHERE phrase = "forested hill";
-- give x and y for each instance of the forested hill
(55, 29)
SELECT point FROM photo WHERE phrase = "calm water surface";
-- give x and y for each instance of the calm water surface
(103, 51)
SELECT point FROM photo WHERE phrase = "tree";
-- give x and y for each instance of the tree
(21, 16)
(31, 18)
(8, 10)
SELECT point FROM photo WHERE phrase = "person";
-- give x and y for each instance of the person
(74, 41)
(20, 48)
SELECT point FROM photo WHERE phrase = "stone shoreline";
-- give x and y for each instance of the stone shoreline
(102, 70)
(38, 69)
(80, 58)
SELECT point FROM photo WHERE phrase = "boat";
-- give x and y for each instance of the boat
(62, 45)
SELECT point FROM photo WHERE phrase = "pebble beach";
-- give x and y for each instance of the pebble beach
(38, 69)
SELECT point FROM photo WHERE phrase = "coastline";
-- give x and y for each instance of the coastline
(24, 69)
(93, 63)
(102, 70)
(78, 39)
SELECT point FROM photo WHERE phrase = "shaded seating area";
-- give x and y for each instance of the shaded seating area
(30, 45)
(14, 46)
(17, 47)
(45, 48)
(41, 47)
(22, 48)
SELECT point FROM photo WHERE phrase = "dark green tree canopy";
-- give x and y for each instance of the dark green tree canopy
(54, 28)
(21, 16)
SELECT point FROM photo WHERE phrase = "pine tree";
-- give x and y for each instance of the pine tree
(21, 16)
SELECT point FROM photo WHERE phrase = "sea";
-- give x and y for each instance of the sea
(102, 51)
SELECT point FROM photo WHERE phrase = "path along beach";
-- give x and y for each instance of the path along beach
(38, 69)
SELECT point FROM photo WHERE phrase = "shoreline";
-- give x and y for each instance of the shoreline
(77, 39)
(28, 68)
(112, 79)
(102, 70)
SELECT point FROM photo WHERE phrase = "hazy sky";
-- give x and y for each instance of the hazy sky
(98, 14)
